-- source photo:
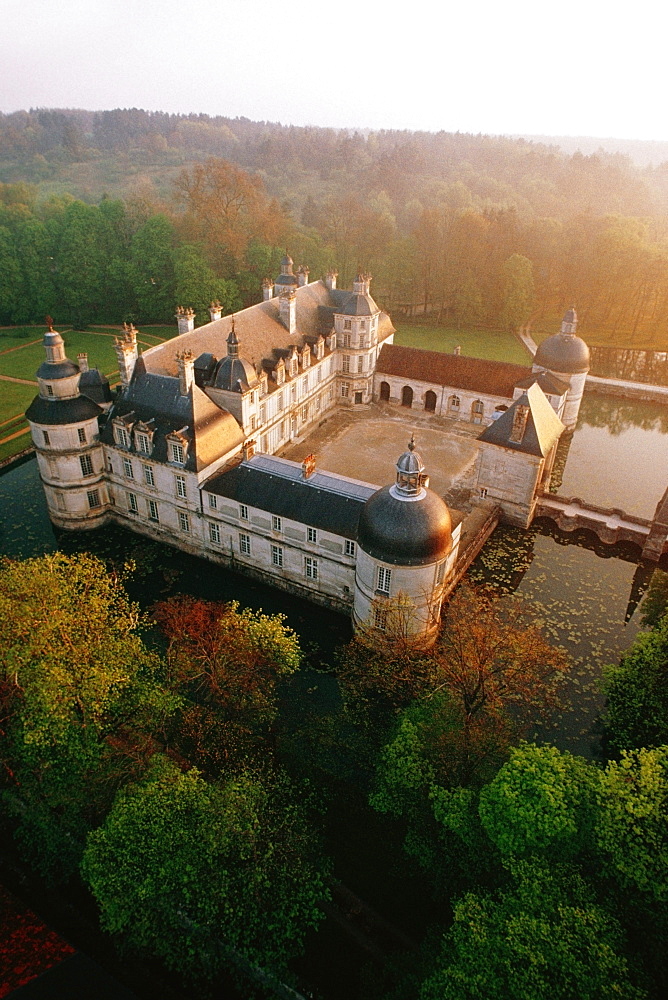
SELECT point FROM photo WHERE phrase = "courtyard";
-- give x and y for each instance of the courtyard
(365, 444)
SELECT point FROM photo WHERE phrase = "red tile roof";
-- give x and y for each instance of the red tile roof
(492, 378)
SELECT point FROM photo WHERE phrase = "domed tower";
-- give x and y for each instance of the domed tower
(235, 384)
(65, 431)
(403, 565)
(566, 355)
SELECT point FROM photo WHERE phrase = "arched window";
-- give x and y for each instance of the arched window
(430, 401)
(384, 391)
(406, 396)
(453, 404)
(477, 411)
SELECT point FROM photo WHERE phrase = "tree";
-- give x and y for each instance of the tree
(80, 698)
(636, 713)
(518, 291)
(542, 800)
(10, 277)
(81, 262)
(542, 938)
(204, 876)
(153, 268)
(196, 285)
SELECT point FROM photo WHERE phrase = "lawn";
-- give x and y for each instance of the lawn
(494, 345)
(98, 343)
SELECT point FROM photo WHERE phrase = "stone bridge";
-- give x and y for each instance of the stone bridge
(611, 525)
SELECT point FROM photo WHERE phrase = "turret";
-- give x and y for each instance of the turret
(405, 556)
(566, 355)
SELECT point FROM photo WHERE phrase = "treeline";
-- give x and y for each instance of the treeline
(440, 220)
(185, 789)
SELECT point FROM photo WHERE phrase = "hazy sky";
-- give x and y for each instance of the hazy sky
(576, 67)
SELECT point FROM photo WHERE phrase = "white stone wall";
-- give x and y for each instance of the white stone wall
(510, 478)
(59, 453)
(444, 397)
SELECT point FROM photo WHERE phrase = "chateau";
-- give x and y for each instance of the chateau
(187, 450)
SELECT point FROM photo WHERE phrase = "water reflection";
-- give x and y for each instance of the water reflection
(618, 455)
(627, 363)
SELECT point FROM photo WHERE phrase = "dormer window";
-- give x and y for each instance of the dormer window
(294, 365)
(306, 356)
(143, 444)
(122, 437)
(279, 372)
(263, 384)
(178, 454)
(320, 348)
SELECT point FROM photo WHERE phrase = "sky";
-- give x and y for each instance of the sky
(494, 66)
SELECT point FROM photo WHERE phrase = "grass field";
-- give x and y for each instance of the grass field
(20, 358)
(491, 344)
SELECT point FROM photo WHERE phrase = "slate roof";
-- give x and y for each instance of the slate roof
(212, 431)
(491, 378)
(96, 386)
(330, 503)
(259, 329)
(563, 352)
(549, 383)
(57, 369)
(73, 410)
(543, 427)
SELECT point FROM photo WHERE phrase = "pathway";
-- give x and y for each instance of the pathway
(20, 381)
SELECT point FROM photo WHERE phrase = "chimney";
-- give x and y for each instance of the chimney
(569, 324)
(215, 310)
(267, 289)
(287, 308)
(186, 366)
(82, 361)
(248, 449)
(362, 283)
(308, 466)
(125, 347)
(458, 350)
(302, 275)
(185, 319)
(520, 417)
(330, 279)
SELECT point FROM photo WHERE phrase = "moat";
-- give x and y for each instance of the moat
(618, 457)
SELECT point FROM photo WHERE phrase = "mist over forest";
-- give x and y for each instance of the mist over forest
(119, 214)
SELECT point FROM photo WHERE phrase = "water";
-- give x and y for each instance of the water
(618, 456)
(627, 363)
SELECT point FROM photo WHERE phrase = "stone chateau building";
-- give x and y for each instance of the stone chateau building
(185, 450)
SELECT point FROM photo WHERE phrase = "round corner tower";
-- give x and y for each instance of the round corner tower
(65, 432)
(404, 540)
(566, 356)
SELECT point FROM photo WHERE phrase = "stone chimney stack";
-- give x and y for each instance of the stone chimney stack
(215, 310)
(330, 279)
(362, 283)
(125, 347)
(186, 366)
(82, 361)
(267, 289)
(458, 350)
(308, 466)
(287, 308)
(248, 449)
(569, 324)
(185, 319)
(302, 275)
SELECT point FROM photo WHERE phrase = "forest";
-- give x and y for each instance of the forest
(163, 766)
(121, 214)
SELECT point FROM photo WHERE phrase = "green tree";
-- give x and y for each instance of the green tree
(10, 277)
(542, 800)
(80, 700)
(518, 291)
(195, 284)
(636, 713)
(153, 278)
(542, 938)
(81, 262)
(206, 876)
(35, 247)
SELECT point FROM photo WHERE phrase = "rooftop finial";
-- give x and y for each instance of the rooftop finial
(411, 443)
(49, 323)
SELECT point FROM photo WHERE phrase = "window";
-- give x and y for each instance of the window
(347, 324)
(49, 390)
(243, 511)
(312, 535)
(132, 503)
(454, 402)
(47, 442)
(380, 618)
(153, 511)
(362, 324)
(279, 403)
(311, 568)
(178, 453)
(122, 437)
(214, 533)
(483, 492)
(344, 390)
(143, 444)
(148, 475)
(350, 547)
(213, 501)
(360, 363)
(181, 487)
(263, 413)
(384, 577)
(184, 523)
(346, 364)
(293, 393)
(60, 502)
(253, 422)
(245, 545)
(86, 465)
(305, 413)
(319, 375)
(275, 523)
(82, 435)
(127, 469)
(277, 555)
(93, 499)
